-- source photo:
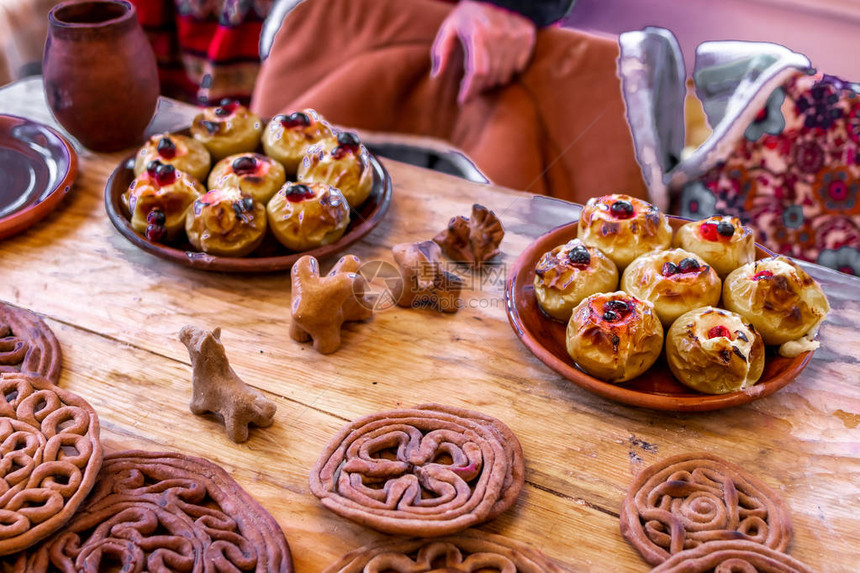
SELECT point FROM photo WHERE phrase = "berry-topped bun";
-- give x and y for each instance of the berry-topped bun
(255, 174)
(226, 223)
(722, 242)
(614, 336)
(287, 137)
(343, 163)
(308, 215)
(183, 152)
(623, 227)
(227, 129)
(780, 299)
(676, 281)
(714, 351)
(569, 273)
(158, 199)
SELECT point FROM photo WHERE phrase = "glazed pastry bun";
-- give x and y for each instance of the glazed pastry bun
(227, 129)
(308, 215)
(784, 303)
(676, 281)
(714, 351)
(623, 227)
(183, 152)
(158, 200)
(569, 273)
(614, 336)
(343, 163)
(287, 137)
(722, 242)
(226, 223)
(254, 174)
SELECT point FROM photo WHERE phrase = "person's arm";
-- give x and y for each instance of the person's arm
(497, 37)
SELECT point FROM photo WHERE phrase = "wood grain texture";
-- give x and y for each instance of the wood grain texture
(117, 312)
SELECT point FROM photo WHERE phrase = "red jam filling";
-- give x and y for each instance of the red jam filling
(579, 256)
(615, 310)
(622, 209)
(163, 174)
(716, 231)
(687, 265)
(298, 193)
(762, 275)
(166, 148)
(719, 332)
(227, 107)
(295, 119)
(245, 165)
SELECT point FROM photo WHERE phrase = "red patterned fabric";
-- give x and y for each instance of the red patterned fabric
(206, 49)
(795, 175)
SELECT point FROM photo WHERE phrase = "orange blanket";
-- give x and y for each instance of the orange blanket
(559, 129)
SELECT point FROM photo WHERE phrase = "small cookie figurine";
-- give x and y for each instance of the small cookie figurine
(472, 240)
(424, 281)
(320, 305)
(219, 390)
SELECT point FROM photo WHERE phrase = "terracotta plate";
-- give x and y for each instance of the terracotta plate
(271, 255)
(656, 388)
(39, 167)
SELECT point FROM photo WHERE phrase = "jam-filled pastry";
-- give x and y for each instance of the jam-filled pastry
(227, 129)
(614, 336)
(226, 223)
(722, 242)
(255, 174)
(287, 137)
(183, 152)
(304, 216)
(714, 351)
(569, 273)
(343, 163)
(781, 300)
(676, 281)
(158, 200)
(623, 227)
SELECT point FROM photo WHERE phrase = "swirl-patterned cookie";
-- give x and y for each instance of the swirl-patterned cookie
(468, 552)
(27, 344)
(732, 557)
(50, 455)
(693, 499)
(156, 511)
(427, 471)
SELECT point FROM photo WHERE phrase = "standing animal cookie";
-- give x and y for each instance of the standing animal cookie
(217, 388)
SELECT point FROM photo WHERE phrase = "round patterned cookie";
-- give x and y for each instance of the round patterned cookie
(427, 471)
(27, 344)
(732, 557)
(690, 500)
(467, 552)
(51, 455)
(164, 512)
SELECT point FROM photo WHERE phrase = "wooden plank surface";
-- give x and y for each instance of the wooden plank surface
(117, 312)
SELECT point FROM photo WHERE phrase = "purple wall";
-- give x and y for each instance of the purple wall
(829, 39)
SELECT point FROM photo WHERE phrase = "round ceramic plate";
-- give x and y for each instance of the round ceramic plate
(39, 167)
(656, 388)
(271, 255)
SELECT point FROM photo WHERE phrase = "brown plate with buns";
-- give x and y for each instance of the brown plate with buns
(270, 255)
(656, 388)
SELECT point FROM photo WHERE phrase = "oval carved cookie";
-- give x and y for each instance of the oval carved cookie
(427, 471)
(688, 500)
(468, 552)
(154, 511)
(50, 455)
(27, 344)
(733, 557)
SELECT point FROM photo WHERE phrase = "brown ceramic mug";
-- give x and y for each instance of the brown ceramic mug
(101, 80)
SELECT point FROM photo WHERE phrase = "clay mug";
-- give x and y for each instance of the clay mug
(101, 80)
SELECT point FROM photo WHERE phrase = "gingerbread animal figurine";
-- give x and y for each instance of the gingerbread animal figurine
(424, 281)
(320, 305)
(472, 239)
(217, 388)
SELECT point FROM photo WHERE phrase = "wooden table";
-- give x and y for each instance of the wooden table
(117, 312)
